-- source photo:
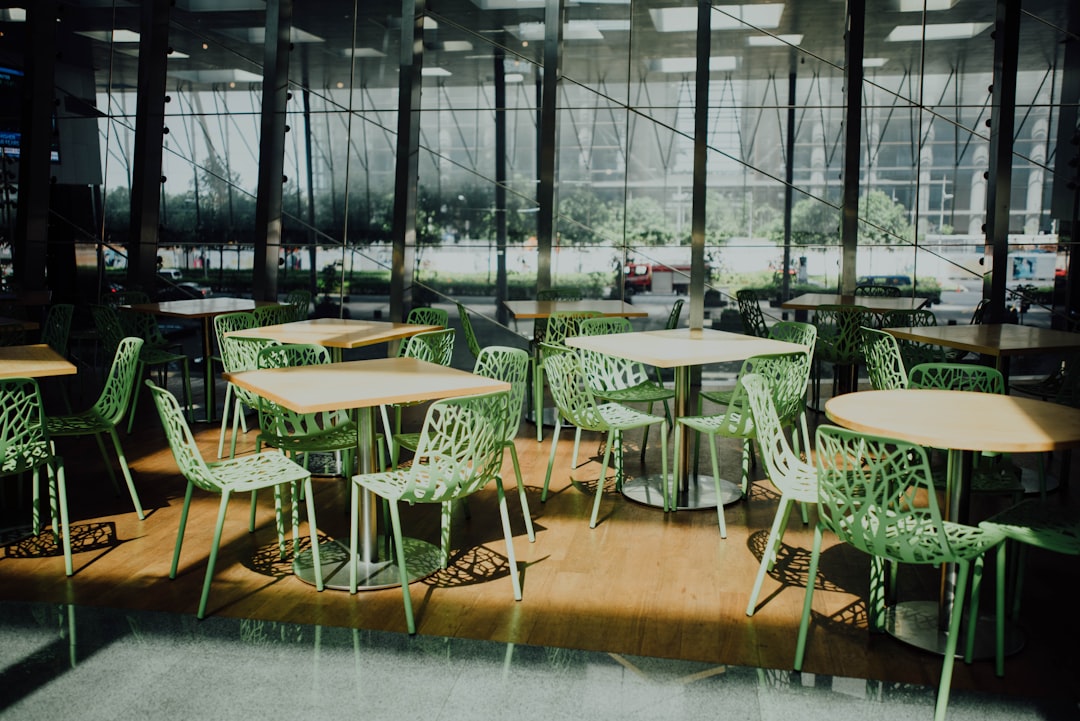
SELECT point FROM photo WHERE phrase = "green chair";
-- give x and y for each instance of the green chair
(469, 331)
(558, 328)
(300, 434)
(839, 344)
(793, 477)
(105, 415)
(459, 452)
(753, 320)
(673, 316)
(510, 365)
(57, 327)
(621, 380)
(299, 302)
(877, 496)
(578, 406)
(425, 315)
(239, 354)
(235, 475)
(912, 351)
(274, 314)
(884, 363)
(877, 291)
(1029, 524)
(540, 324)
(787, 375)
(224, 324)
(433, 346)
(25, 446)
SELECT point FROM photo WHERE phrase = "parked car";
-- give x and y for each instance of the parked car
(182, 291)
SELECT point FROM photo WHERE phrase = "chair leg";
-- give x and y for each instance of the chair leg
(521, 492)
(811, 579)
(611, 440)
(126, 471)
(511, 560)
(213, 554)
(716, 482)
(108, 463)
(551, 458)
(65, 523)
(224, 420)
(768, 558)
(950, 645)
(140, 371)
(313, 530)
(403, 573)
(180, 530)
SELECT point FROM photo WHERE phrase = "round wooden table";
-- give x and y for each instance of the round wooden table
(963, 423)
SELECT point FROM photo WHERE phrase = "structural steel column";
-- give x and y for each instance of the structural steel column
(146, 177)
(1002, 126)
(30, 244)
(701, 156)
(853, 82)
(554, 11)
(501, 314)
(275, 98)
(408, 157)
(1066, 177)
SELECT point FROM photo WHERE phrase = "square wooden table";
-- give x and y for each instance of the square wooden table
(33, 361)
(535, 309)
(203, 309)
(681, 349)
(362, 386)
(1000, 340)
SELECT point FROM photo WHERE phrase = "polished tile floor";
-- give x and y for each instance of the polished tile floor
(59, 661)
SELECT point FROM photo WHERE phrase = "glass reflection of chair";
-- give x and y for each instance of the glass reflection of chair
(460, 451)
(877, 496)
(621, 380)
(671, 324)
(787, 375)
(753, 320)
(505, 364)
(559, 327)
(839, 343)
(56, 329)
(105, 415)
(25, 445)
(424, 315)
(225, 323)
(794, 477)
(235, 475)
(577, 405)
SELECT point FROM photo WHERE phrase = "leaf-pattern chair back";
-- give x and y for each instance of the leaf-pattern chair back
(840, 332)
(469, 331)
(57, 327)
(425, 315)
(605, 326)
(181, 441)
(753, 320)
(794, 331)
(956, 377)
(434, 346)
(120, 382)
(884, 362)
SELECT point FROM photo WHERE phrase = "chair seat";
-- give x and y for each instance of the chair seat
(77, 424)
(647, 392)
(340, 437)
(620, 417)
(731, 423)
(252, 473)
(923, 543)
(1040, 524)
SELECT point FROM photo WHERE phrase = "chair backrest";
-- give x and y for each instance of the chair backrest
(879, 291)
(109, 328)
(12, 334)
(181, 441)
(877, 494)
(604, 325)
(287, 355)
(907, 317)
(57, 327)
(786, 375)
(884, 362)
(605, 372)
(24, 438)
(425, 315)
(840, 331)
(460, 448)
(125, 297)
(120, 382)
(434, 346)
(299, 300)
(277, 419)
(561, 326)
(229, 322)
(470, 332)
(753, 320)
(956, 377)
(273, 315)
(913, 352)
(570, 392)
(979, 312)
(511, 365)
(673, 316)
(781, 462)
(794, 331)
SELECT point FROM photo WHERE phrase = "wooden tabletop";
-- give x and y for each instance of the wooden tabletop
(682, 346)
(33, 361)
(199, 307)
(875, 304)
(522, 309)
(959, 420)
(362, 384)
(335, 332)
(998, 339)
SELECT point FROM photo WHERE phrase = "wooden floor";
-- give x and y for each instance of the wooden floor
(641, 582)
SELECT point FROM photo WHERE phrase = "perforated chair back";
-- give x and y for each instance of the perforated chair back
(884, 363)
(229, 322)
(57, 327)
(753, 320)
(299, 300)
(273, 315)
(24, 437)
(510, 365)
(570, 391)
(956, 377)
(561, 326)
(182, 442)
(794, 331)
(120, 382)
(605, 326)
(879, 291)
(435, 346)
(428, 316)
(110, 330)
(470, 332)
(673, 316)
(840, 332)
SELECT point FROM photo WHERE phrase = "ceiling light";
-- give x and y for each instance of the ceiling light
(223, 75)
(116, 36)
(13, 15)
(205, 6)
(874, 62)
(457, 46)
(572, 30)
(725, 17)
(362, 53)
(944, 31)
(257, 35)
(911, 6)
(772, 41)
(134, 52)
(514, 78)
(717, 63)
(436, 72)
